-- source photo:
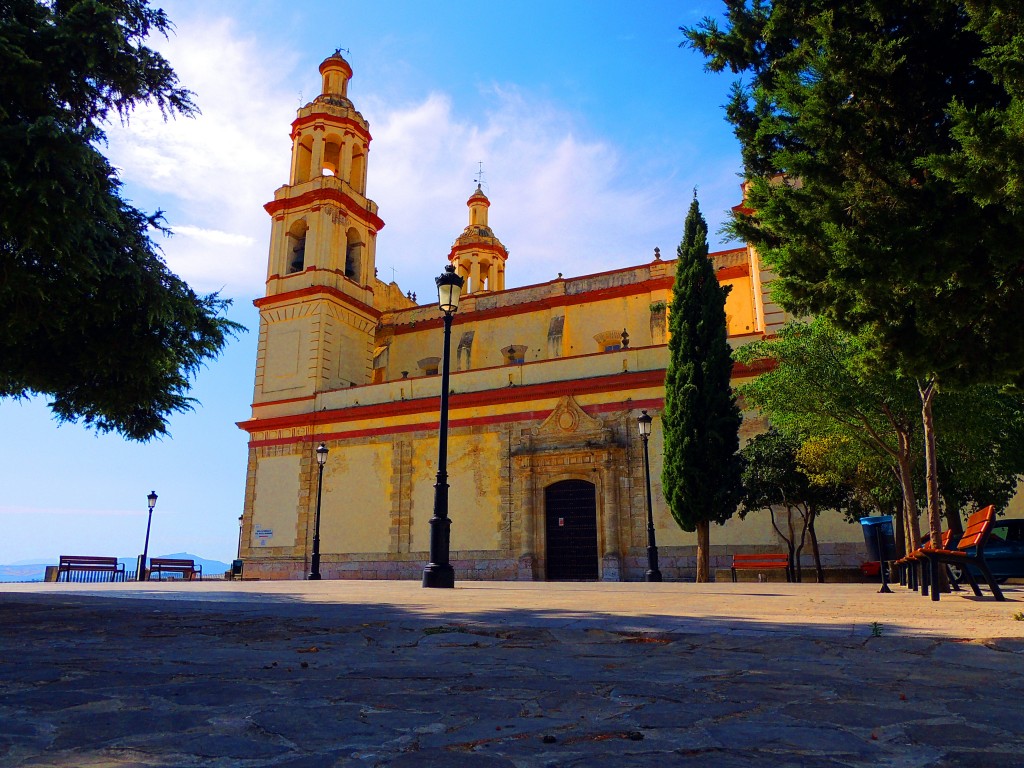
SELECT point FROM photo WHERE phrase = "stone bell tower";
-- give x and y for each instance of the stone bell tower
(478, 254)
(317, 318)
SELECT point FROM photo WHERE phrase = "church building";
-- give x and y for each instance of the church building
(545, 462)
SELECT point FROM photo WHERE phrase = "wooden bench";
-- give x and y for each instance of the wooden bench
(760, 562)
(976, 533)
(187, 568)
(915, 561)
(88, 564)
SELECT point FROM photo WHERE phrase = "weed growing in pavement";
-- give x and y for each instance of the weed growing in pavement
(444, 630)
(876, 629)
(1018, 616)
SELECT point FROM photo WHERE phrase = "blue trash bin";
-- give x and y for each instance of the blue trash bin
(881, 543)
(879, 537)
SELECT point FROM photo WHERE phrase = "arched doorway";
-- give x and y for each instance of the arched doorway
(570, 509)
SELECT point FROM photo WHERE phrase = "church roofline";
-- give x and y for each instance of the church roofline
(401, 323)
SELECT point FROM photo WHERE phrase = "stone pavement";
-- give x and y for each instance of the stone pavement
(316, 674)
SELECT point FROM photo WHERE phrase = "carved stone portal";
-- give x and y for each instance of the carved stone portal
(569, 444)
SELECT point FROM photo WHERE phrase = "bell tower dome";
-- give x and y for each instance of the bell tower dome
(477, 253)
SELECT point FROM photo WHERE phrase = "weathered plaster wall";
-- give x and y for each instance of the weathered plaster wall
(355, 511)
(276, 502)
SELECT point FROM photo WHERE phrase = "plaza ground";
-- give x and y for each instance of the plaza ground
(339, 673)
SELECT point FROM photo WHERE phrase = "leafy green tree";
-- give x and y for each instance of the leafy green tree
(846, 118)
(838, 460)
(701, 472)
(820, 388)
(93, 318)
(856, 425)
(772, 478)
(981, 449)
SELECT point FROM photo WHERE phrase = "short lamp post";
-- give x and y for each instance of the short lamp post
(314, 565)
(141, 567)
(439, 573)
(653, 574)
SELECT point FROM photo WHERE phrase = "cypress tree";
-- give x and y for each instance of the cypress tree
(702, 468)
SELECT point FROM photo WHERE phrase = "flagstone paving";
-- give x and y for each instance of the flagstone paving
(319, 674)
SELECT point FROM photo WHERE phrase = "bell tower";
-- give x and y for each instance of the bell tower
(318, 316)
(477, 253)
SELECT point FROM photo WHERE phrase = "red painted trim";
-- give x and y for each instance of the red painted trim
(487, 397)
(550, 302)
(510, 418)
(283, 402)
(316, 290)
(430, 405)
(563, 300)
(739, 370)
(731, 273)
(350, 205)
(755, 368)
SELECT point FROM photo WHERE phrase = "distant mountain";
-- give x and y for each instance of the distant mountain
(212, 569)
(28, 572)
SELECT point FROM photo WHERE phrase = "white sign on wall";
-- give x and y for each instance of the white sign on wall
(263, 534)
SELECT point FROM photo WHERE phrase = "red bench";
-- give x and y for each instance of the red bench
(916, 561)
(976, 533)
(761, 562)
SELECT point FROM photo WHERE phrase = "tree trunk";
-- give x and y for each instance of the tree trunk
(931, 463)
(909, 498)
(794, 551)
(703, 551)
(805, 522)
(931, 475)
(954, 522)
(899, 530)
(819, 572)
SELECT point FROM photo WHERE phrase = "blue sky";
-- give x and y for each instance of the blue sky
(593, 127)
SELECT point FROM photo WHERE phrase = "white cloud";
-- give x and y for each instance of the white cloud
(212, 174)
(213, 236)
(561, 200)
(559, 203)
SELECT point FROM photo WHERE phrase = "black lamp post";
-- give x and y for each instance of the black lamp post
(439, 572)
(314, 565)
(141, 567)
(653, 574)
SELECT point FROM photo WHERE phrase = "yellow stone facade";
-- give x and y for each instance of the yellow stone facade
(547, 383)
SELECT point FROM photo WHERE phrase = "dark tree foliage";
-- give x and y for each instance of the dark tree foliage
(852, 101)
(774, 480)
(988, 163)
(701, 471)
(855, 120)
(981, 449)
(93, 318)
